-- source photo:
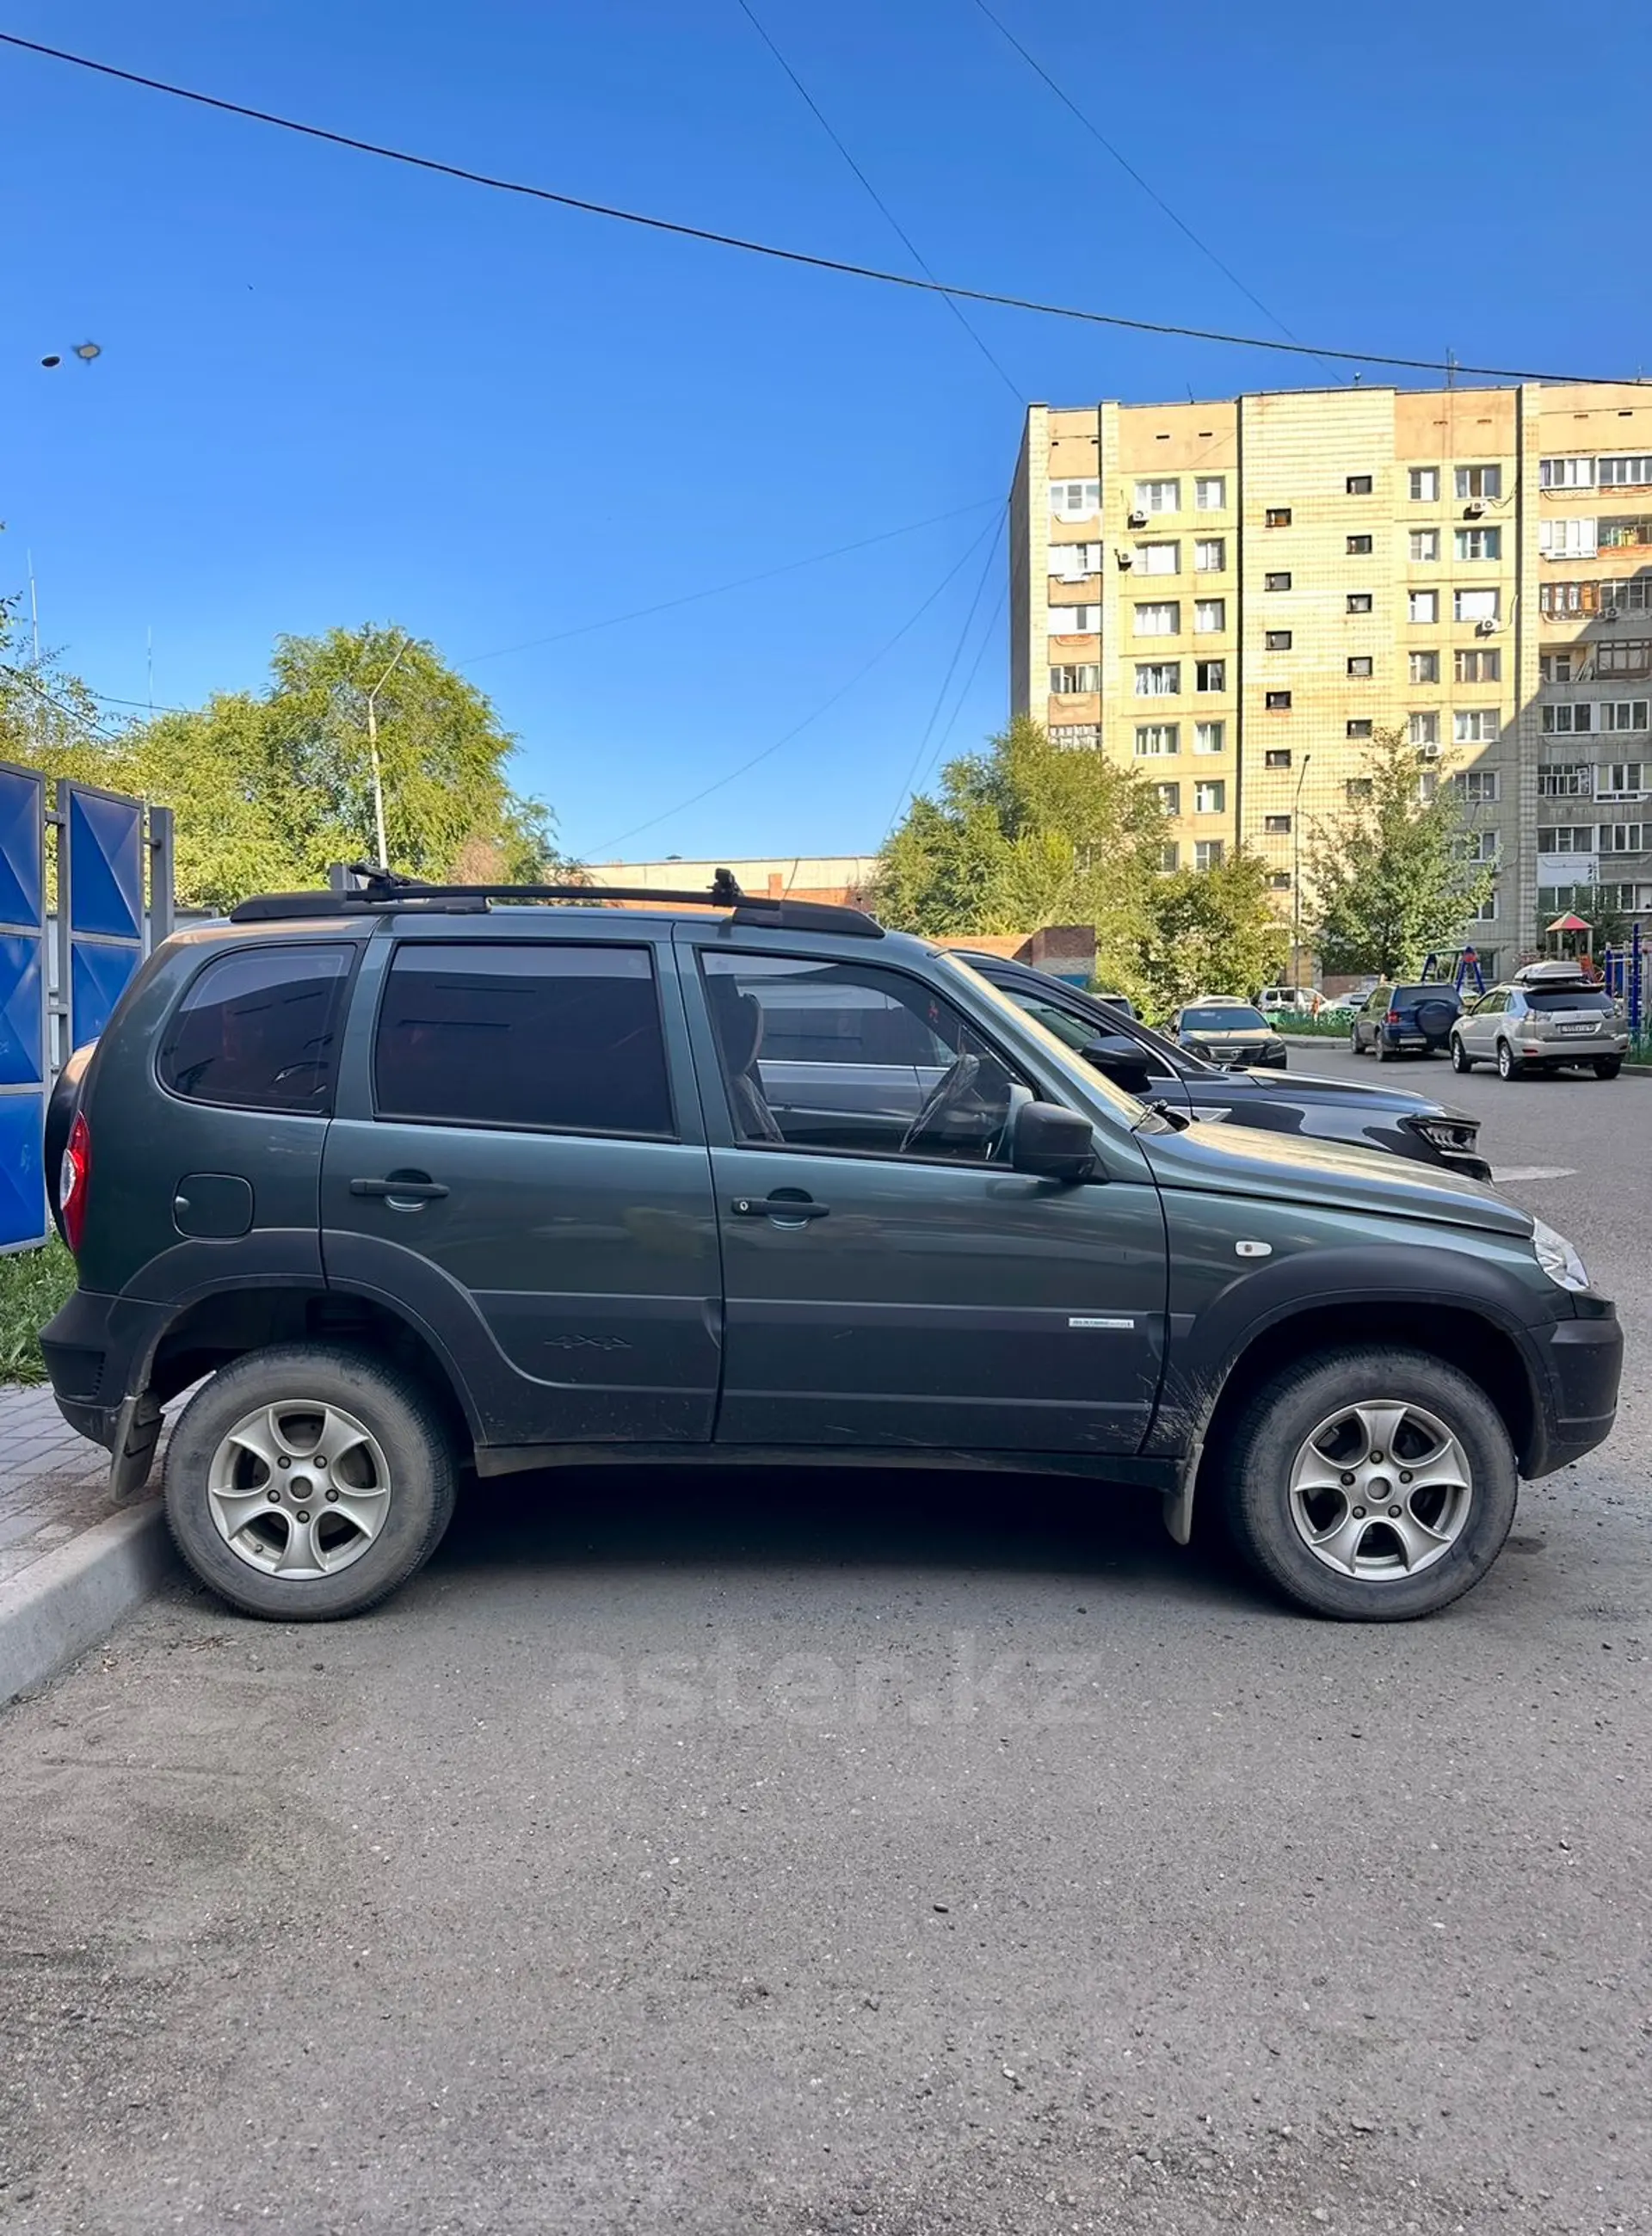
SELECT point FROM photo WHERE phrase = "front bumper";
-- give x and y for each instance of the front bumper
(1580, 1362)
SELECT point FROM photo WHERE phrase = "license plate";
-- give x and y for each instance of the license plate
(1575, 1029)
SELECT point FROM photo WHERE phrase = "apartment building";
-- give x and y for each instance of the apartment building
(1233, 597)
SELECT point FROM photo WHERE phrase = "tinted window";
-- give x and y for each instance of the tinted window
(1564, 997)
(561, 1037)
(1236, 1019)
(1408, 996)
(259, 1030)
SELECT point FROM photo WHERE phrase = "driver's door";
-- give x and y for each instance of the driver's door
(891, 1288)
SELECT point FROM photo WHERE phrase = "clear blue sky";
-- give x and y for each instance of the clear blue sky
(334, 391)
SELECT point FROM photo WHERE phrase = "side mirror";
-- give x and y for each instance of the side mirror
(1126, 1070)
(1055, 1143)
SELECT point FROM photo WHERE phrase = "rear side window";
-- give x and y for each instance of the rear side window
(561, 1037)
(259, 1030)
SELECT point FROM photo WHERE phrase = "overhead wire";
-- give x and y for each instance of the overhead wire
(807, 260)
(815, 715)
(940, 747)
(946, 685)
(893, 222)
(1130, 171)
(64, 706)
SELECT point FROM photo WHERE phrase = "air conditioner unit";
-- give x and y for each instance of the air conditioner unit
(1137, 520)
(1473, 512)
(1487, 628)
(1431, 752)
(1125, 558)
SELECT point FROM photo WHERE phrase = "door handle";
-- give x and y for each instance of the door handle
(797, 1207)
(406, 1188)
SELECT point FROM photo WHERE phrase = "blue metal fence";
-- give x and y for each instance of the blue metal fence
(24, 1041)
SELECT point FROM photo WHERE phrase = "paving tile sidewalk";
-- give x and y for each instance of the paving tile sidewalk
(53, 1484)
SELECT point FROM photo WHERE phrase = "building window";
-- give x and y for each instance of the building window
(1478, 788)
(1479, 482)
(1424, 666)
(1475, 725)
(1076, 737)
(1423, 544)
(1210, 797)
(1565, 839)
(1169, 855)
(1158, 558)
(1209, 614)
(1625, 535)
(1159, 679)
(1622, 779)
(1565, 473)
(1276, 582)
(1277, 827)
(1169, 798)
(1423, 606)
(1209, 737)
(1625, 597)
(1478, 542)
(1280, 881)
(1163, 619)
(1625, 473)
(1359, 486)
(1277, 515)
(1210, 675)
(1276, 640)
(1276, 702)
(1158, 497)
(1360, 726)
(1210, 555)
(1565, 780)
(1477, 667)
(1071, 562)
(1424, 485)
(1628, 655)
(1487, 912)
(1424, 729)
(1482, 847)
(1357, 788)
(1208, 854)
(1575, 720)
(1277, 757)
(1075, 621)
(1476, 605)
(1560, 666)
(1153, 741)
(1624, 838)
(1568, 539)
(1073, 681)
(1359, 547)
(1360, 663)
(1075, 500)
(1624, 713)
(1210, 492)
(1359, 601)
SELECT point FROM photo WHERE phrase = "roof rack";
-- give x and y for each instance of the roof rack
(360, 888)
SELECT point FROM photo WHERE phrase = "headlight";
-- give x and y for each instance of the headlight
(1447, 1135)
(1557, 1257)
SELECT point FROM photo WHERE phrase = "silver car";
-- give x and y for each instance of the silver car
(1548, 1016)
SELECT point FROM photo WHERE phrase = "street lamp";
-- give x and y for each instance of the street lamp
(1296, 875)
(372, 742)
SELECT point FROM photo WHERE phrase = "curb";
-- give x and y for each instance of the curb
(70, 1600)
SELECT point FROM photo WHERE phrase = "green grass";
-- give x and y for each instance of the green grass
(33, 1283)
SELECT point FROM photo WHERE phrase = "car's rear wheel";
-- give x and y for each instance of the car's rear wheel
(1461, 1060)
(1509, 1065)
(1384, 1054)
(305, 1483)
(1369, 1484)
(1608, 1067)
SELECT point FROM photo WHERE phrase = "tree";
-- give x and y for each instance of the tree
(1391, 877)
(1213, 931)
(1028, 834)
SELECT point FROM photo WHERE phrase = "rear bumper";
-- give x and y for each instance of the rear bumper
(90, 1348)
(1580, 1362)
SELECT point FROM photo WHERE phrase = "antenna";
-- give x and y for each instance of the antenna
(1451, 366)
(148, 651)
(34, 606)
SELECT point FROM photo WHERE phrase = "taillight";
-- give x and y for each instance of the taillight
(1394, 1017)
(74, 1178)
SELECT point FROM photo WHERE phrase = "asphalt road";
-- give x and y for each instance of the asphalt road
(856, 1853)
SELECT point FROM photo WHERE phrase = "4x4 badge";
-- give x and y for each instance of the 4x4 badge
(1082, 1323)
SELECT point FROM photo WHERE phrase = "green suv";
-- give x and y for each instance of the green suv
(412, 1181)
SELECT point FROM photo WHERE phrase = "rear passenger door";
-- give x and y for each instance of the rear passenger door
(517, 1162)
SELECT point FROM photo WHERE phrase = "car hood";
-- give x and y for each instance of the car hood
(1291, 1167)
(1357, 1093)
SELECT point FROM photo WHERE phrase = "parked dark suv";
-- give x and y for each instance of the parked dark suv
(1399, 1020)
(416, 1182)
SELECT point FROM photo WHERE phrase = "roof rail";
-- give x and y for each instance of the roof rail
(360, 888)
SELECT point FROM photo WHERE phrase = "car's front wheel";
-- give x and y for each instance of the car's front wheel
(1509, 1066)
(1461, 1060)
(307, 1482)
(1369, 1484)
(1356, 1047)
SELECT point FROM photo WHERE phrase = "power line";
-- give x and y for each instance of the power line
(940, 696)
(940, 747)
(1129, 169)
(64, 706)
(911, 282)
(894, 223)
(718, 590)
(824, 707)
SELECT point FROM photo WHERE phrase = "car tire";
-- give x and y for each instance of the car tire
(1509, 1065)
(1356, 1046)
(232, 1498)
(1384, 1054)
(1312, 1544)
(1461, 1060)
(1608, 1067)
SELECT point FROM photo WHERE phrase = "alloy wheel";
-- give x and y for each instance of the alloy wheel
(298, 1488)
(1381, 1490)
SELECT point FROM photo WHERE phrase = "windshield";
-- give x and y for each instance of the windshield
(1131, 1112)
(1568, 997)
(1235, 1019)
